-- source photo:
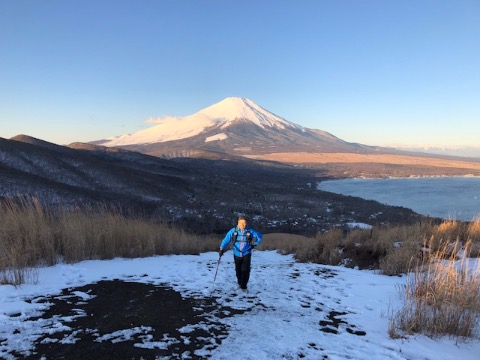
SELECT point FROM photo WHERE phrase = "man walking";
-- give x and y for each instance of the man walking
(244, 240)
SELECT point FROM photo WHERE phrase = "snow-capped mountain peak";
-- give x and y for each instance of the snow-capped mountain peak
(221, 114)
(233, 108)
(235, 126)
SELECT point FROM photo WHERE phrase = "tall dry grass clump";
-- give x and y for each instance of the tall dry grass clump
(324, 248)
(388, 248)
(25, 241)
(285, 243)
(103, 233)
(441, 296)
(391, 249)
(31, 235)
(402, 245)
(25, 233)
(473, 235)
(328, 247)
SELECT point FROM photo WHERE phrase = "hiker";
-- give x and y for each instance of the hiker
(244, 241)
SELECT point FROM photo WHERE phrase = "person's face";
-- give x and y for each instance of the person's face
(242, 224)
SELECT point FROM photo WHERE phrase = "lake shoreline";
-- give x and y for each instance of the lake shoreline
(446, 197)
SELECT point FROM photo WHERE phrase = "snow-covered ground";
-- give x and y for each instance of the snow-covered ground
(295, 310)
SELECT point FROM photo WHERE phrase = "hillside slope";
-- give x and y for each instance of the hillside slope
(200, 195)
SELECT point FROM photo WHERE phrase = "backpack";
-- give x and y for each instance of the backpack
(248, 238)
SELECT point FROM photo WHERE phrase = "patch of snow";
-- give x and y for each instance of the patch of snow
(122, 335)
(82, 295)
(221, 136)
(358, 225)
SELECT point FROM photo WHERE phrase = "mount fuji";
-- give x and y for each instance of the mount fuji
(234, 126)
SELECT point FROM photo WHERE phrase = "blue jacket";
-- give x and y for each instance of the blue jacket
(242, 246)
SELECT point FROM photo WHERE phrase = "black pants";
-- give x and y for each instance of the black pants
(242, 269)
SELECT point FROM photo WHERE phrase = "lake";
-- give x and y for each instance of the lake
(456, 198)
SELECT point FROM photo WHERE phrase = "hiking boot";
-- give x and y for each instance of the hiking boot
(245, 290)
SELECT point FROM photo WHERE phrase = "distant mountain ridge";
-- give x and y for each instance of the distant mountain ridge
(461, 151)
(234, 126)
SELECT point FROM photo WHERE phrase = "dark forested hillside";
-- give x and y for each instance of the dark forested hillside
(198, 194)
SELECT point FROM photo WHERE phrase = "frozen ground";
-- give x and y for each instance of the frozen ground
(291, 311)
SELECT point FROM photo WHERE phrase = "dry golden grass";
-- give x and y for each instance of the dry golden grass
(473, 231)
(321, 249)
(441, 297)
(346, 158)
(285, 243)
(398, 259)
(31, 235)
(392, 249)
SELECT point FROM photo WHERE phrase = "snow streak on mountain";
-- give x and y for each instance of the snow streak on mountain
(219, 115)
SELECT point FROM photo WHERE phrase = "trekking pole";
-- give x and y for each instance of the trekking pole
(216, 271)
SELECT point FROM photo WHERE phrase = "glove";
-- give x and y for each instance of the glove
(220, 252)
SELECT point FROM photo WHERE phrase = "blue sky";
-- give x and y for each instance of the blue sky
(376, 72)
